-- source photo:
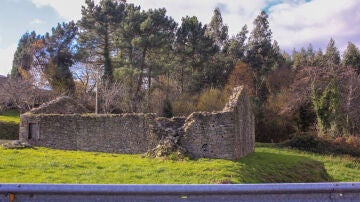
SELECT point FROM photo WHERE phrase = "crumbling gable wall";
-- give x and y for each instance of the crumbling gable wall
(209, 135)
(227, 134)
(61, 105)
(244, 122)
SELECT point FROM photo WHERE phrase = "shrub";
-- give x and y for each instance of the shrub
(211, 100)
(309, 142)
(339, 140)
(183, 107)
(303, 142)
(353, 141)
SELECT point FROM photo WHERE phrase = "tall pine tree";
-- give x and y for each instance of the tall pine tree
(351, 57)
(23, 57)
(332, 55)
(194, 49)
(217, 30)
(259, 47)
(236, 47)
(60, 48)
(97, 30)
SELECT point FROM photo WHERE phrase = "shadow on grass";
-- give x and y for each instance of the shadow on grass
(9, 130)
(267, 167)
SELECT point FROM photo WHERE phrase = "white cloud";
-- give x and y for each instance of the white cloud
(6, 57)
(295, 23)
(68, 9)
(315, 22)
(237, 13)
(36, 21)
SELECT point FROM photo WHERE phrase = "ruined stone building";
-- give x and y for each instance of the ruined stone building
(64, 124)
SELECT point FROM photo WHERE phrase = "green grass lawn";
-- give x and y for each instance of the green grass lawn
(9, 125)
(41, 165)
(340, 168)
(11, 116)
(267, 164)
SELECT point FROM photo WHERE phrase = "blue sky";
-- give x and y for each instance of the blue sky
(294, 23)
(19, 16)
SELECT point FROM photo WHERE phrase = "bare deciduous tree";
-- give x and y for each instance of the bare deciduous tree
(110, 94)
(310, 80)
(351, 99)
(22, 94)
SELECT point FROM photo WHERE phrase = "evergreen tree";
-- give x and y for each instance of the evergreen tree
(259, 56)
(143, 39)
(97, 27)
(319, 59)
(194, 49)
(277, 58)
(236, 47)
(60, 50)
(306, 57)
(128, 57)
(332, 55)
(156, 35)
(351, 57)
(259, 45)
(221, 63)
(23, 57)
(217, 30)
(299, 58)
(287, 58)
(310, 55)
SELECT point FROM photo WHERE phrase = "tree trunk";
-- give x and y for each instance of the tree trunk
(140, 80)
(108, 72)
(182, 79)
(148, 90)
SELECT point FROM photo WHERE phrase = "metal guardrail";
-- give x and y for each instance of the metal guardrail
(240, 192)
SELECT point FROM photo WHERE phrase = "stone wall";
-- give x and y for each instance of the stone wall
(227, 134)
(209, 135)
(124, 133)
(244, 122)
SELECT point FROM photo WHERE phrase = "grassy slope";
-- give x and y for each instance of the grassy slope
(42, 165)
(339, 168)
(9, 125)
(11, 116)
